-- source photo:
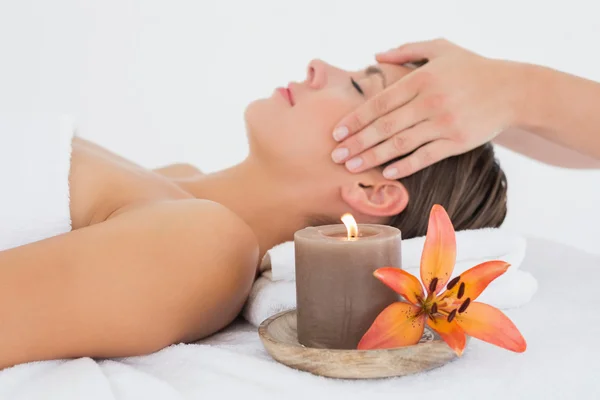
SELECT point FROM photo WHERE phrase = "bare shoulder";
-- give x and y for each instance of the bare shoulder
(179, 170)
(194, 231)
(176, 270)
(215, 254)
(206, 226)
(228, 230)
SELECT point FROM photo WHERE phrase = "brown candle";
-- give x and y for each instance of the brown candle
(338, 298)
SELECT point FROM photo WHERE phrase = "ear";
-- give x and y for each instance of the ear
(379, 199)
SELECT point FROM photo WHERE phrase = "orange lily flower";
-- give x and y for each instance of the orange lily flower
(454, 313)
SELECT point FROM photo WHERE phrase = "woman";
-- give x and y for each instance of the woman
(162, 256)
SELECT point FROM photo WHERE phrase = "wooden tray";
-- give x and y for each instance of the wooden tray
(280, 338)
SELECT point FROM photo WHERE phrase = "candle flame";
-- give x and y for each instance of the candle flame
(351, 226)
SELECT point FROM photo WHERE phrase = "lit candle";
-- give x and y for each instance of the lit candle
(338, 298)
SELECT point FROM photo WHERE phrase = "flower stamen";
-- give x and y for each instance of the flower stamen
(453, 283)
(461, 291)
(442, 304)
(433, 285)
(464, 305)
(451, 315)
(434, 308)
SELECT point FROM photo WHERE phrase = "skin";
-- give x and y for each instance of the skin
(169, 255)
(460, 100)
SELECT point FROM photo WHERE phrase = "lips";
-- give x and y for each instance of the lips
(290, 94)
(287, 94)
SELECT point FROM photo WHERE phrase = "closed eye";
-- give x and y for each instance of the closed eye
(356, 86)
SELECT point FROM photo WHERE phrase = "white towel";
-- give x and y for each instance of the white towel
(275, 290)
(35, 157)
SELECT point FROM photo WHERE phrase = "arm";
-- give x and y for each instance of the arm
(543, 150)
(561, 108)
(170, 272)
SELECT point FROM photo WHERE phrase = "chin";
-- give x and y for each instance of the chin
(254, 117)
(262, 122)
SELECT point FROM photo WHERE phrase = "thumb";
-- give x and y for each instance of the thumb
(411, 52)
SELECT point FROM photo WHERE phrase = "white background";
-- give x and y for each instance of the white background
(167, 81)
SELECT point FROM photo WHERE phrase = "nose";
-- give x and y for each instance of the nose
(316, 75)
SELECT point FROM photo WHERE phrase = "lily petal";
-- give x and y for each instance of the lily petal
(439, 252)
(450, 332)
(473, 282)
(401, 282)
(400, 324)
(491, 325)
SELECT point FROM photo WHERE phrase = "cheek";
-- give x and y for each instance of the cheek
(311, 125)
(299, 135)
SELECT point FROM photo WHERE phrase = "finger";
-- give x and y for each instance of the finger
(423, 157)
(411, 52)
(396, 146)
(380, 130)
(398, 94)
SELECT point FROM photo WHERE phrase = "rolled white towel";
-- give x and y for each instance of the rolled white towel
(35, 151)
(275, 290)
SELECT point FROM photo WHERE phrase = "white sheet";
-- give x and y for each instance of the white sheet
(561, 325)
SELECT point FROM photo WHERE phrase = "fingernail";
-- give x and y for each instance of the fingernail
(354, 163)
(340, 133)
(340, 154)
(390, 173)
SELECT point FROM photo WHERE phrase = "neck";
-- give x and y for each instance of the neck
(265, 203)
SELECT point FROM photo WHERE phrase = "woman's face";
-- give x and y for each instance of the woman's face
(293, 134)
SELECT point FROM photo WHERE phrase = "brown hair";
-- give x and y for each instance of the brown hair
(471, 187)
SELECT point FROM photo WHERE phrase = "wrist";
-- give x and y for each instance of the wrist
(530, 88)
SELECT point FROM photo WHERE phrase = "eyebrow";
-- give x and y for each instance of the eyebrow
(374, 70)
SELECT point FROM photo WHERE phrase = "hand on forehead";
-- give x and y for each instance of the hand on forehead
(391, 72)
